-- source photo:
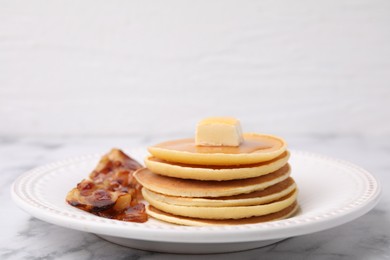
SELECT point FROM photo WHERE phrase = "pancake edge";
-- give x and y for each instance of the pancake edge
(171, 170)
(222, 212)
(185, 221)
(227, 192)
(210, 202)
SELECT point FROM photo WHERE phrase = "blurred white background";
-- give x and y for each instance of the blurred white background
(98, 68)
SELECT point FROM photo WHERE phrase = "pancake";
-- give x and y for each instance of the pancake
(267, 195)
(222, 212)
(195, 188)
(179, 220)
(255, 148)
(215, 173)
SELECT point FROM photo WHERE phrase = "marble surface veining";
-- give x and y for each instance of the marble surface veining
(25, 237)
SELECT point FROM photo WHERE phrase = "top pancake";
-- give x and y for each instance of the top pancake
(255, 148)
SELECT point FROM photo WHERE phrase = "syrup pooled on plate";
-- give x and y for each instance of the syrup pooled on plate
(111, 191)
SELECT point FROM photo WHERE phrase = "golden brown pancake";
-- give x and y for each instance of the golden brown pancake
(255, 148)
(221, 212)
(179, 220)
(216, 173)
(195, 188)
(267, 195)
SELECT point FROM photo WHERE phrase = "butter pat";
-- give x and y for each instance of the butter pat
(219, 131)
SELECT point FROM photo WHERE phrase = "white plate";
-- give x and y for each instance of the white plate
(331, 192)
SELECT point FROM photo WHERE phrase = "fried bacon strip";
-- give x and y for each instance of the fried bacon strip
(111, 191)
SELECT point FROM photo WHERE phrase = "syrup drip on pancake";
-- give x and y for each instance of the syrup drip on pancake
(248, 146)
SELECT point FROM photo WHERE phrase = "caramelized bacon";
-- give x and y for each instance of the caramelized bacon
(111, 190)
(136, 213)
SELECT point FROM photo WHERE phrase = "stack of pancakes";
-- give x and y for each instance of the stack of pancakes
(198, 185)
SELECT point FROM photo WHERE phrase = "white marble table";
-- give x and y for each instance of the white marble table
(24, 237)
